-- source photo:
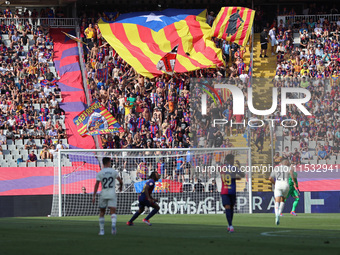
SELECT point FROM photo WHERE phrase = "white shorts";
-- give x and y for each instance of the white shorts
(104, 203)
(281, 190)
(273, 42)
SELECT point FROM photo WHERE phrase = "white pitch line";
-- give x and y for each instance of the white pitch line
(274, 233)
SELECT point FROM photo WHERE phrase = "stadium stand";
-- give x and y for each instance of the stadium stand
(31, 121)
(312, 63)
(30, 96)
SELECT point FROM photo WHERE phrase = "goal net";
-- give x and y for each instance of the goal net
(190, 180)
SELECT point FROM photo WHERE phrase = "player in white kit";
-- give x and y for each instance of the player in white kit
(107, 198)
(280, 178)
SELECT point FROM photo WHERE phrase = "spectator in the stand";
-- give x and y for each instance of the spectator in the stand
(213, 186)
(296, 158)
(264, 43)
(60, 145)
(198, 186)
(30, 144)
(273, 41)
(277, 159)
(3, 138)
(260, 139)
(286, 154)
(47, 142)
(321, 153)
(53, 152)
(45, 154)
(31, 158)
(89, 32)
(211, 135)
(226, 50)
(322, 134)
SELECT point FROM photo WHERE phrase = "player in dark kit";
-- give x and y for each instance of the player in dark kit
(145, 199)
(228, 190)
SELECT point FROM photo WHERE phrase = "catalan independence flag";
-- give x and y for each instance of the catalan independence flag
(96, 120)
(143, 38)
(233, 24)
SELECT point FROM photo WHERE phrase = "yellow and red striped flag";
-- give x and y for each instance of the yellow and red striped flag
(233, 24)
(142, 39)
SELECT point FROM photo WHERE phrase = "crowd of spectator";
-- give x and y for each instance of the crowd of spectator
(313, 64)
(157, 113)
(29, 97)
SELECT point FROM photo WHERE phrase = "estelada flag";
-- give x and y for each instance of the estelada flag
(167, 63)
(73, 38)
(233, 24)
(96, 120)
(143, 38)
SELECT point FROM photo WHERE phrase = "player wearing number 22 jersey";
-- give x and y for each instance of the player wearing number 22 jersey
(228, 191)
(107, 198)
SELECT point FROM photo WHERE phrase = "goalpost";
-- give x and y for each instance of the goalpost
(190, 179)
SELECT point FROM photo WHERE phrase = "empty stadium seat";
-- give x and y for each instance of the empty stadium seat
(49, 164)
(18, 142)
(11, 147)
(312, 144)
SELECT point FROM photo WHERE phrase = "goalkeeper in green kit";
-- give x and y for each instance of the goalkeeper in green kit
(294, 192)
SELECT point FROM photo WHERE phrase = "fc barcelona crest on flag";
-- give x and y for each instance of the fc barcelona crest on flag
(96, 120)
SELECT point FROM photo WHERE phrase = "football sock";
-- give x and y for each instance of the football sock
(232, 214)
(101, 223)
(295, 203)
(228, 214)
(153, 212)
(135, 216)
(113, 219)
(282, 205)
(277, 208)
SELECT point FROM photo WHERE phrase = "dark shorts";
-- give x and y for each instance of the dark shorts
(259, 140)
(264, 46)
(228, 199)
(145, 202)
(179, 171)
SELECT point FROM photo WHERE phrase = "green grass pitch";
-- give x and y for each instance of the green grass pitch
(173, 234)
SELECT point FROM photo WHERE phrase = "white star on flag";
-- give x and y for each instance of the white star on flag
(153, 17)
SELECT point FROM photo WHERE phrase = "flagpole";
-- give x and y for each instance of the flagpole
(251, 65)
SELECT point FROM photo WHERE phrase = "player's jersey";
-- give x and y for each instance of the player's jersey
(281, 174)
(107, 177)
(151, 184)
(228, 181)
(291, 183)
